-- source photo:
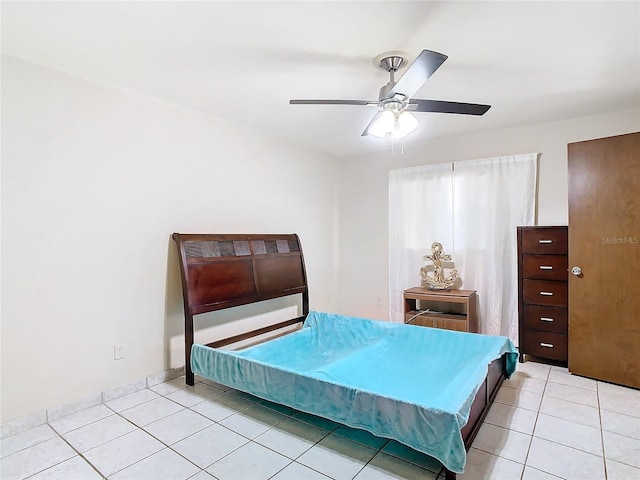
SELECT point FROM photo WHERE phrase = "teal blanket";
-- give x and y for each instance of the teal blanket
(409, 383)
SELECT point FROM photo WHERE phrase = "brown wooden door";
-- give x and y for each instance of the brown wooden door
(604, 241)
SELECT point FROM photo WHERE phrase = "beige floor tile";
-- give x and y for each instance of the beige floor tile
(626, 404)
(534, 369)
(113, 456)
(131, 400)
(620, 471)
(572, 394)
(152, 411)
(567, 378)
(180, 425)
(190, 396)
(296, 471)
(513, 418)
(171, 386)
(564, 462)
(203, 476)
(249, 461)
(164, 464)
(26, 439)
(37, 458)
(533, 474)
(525, 382)
(388, 467)
(605, 387)
(502, 442)
(484, 466)
(74, 468)
(253, 421)
(337, 457)
(621, 449)
(519, 398)
(222, 406)
(97, 433)
(571, 411)
(209, 445)
(81, 418)
(571, 434)
(291, 437)
(410, 455)
(620, 424)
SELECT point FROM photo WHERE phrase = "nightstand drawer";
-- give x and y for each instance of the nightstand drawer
(552, 241)
(545, 267)
(445, 321)
(545, 344)
(420, 320)
(548, 319)
(545, 292)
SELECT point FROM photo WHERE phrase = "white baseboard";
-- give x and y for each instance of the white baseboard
(25, 423)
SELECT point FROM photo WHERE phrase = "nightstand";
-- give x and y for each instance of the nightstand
(450, 309)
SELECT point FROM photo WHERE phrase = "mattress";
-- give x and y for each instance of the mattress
(409, 383)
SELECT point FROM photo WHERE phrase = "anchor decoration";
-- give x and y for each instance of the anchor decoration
(438, 281)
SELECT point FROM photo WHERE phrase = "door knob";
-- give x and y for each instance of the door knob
(577, 271)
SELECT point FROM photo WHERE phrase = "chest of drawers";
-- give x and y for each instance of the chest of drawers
(543, 292)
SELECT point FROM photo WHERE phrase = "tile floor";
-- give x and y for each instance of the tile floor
(545, 424)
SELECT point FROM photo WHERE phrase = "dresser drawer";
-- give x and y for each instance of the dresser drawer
(545, 292)
(545, 267)
(545, 240)
(548, 319)
(544, 344)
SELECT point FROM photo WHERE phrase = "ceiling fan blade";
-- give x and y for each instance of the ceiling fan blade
(366, 130)
(418, 72)
(440, 106)
(334, 102)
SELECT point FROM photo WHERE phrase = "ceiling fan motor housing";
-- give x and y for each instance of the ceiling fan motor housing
(390, 62)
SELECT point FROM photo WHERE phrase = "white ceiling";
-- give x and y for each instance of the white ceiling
(532, 61)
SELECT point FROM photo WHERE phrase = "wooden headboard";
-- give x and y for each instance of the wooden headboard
(228, 270)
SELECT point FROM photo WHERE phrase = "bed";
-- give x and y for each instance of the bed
(427, 388)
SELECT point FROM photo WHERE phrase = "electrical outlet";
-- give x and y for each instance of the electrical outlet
(118, 353)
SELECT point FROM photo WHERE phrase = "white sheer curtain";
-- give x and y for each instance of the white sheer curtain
(472, 208)
(420, 212)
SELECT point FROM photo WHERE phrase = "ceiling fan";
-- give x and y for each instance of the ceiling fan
(395, 100)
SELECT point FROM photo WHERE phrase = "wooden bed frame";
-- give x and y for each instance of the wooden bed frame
(229, 270)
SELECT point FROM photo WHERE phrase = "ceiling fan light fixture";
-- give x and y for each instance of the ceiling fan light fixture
(408, 122)
(398, 132)
(393, 123)
(384, 124)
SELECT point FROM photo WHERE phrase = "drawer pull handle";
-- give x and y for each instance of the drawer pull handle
(546, 319)
(546, 267)
(548, 345)
(545, 241)
(547, 294)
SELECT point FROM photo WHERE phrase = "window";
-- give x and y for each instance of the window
(473, 208)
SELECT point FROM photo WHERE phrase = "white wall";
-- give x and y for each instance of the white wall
(363, 197)
(94, 181)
